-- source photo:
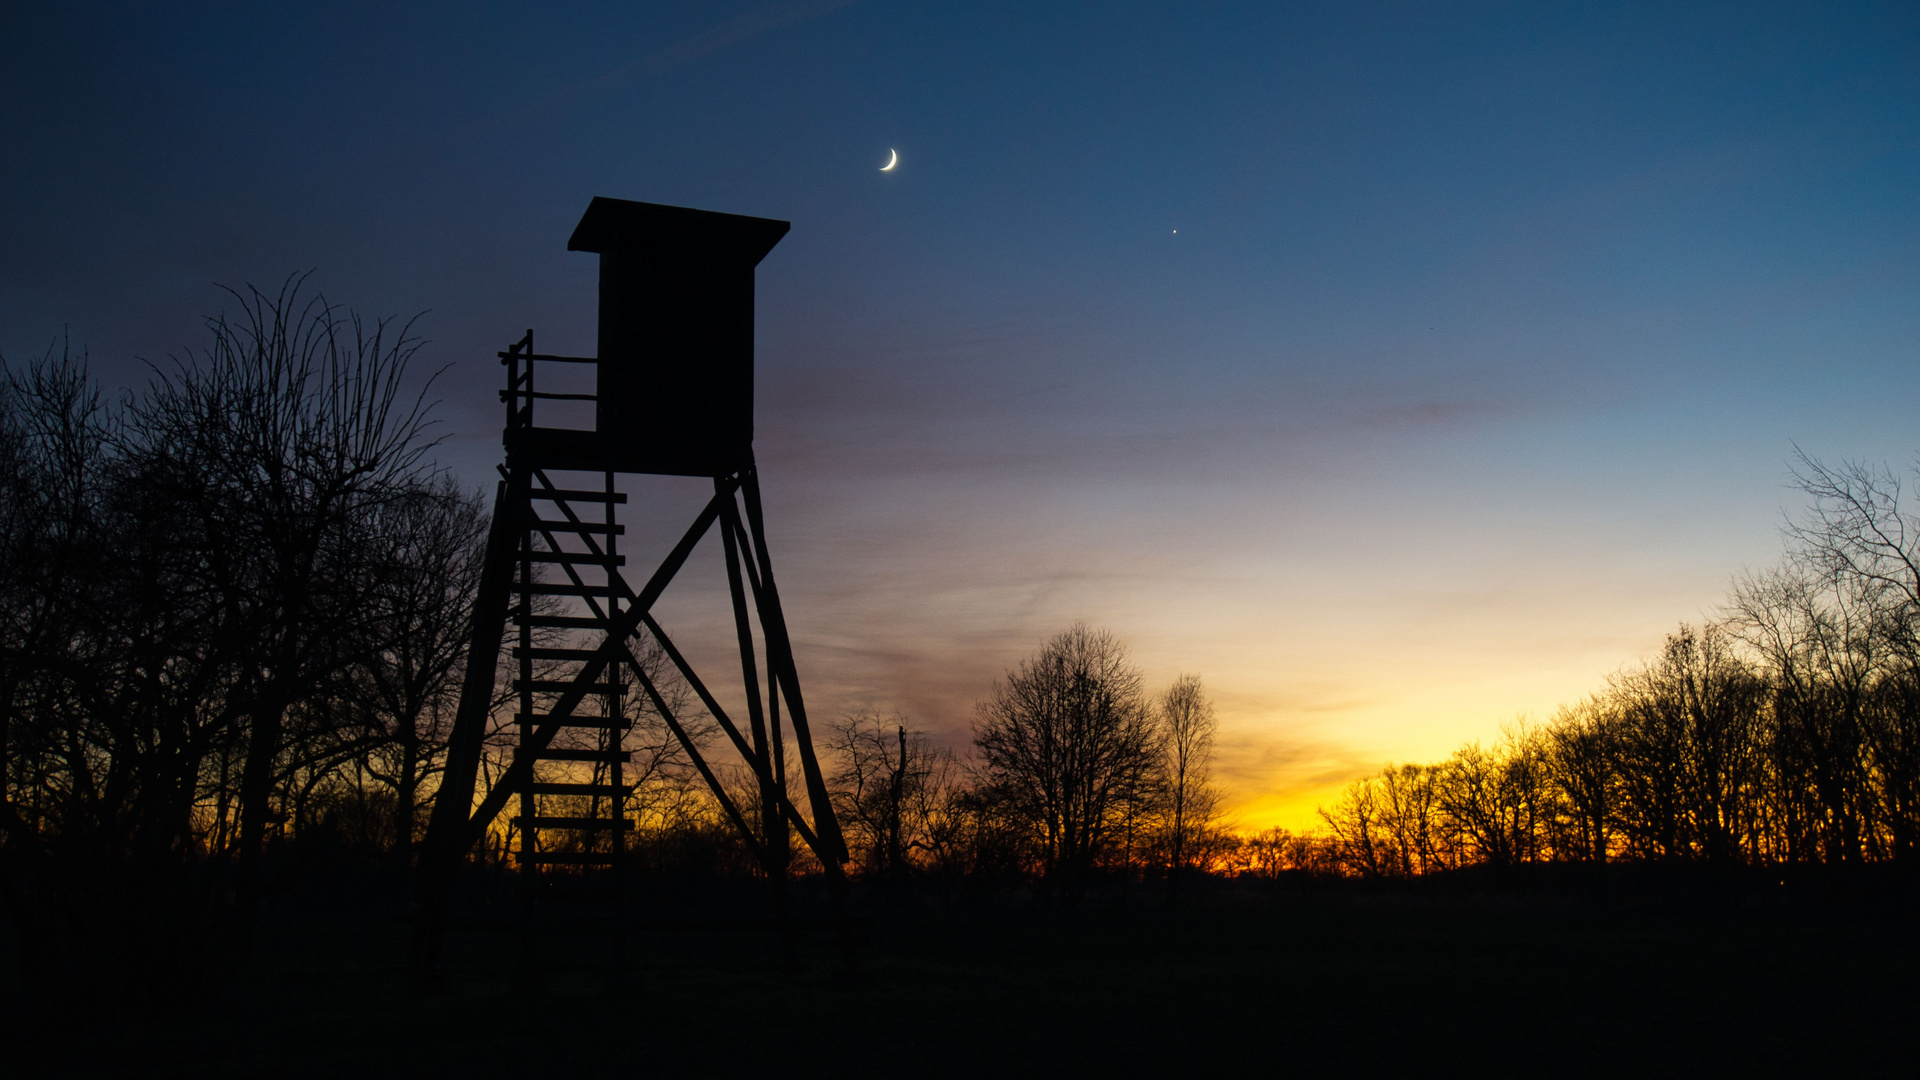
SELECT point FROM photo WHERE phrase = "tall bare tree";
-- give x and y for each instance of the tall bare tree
(1409, 803)
(1859, 526)
(1581, 761)
(1354, 830)
(892, 792)
(1188, 727)
(406, 680)
(1862, 535)
(1817, 637)
(279, 444)
(1066, 737)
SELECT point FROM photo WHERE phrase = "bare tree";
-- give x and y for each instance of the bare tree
(1188, 726)
(1581, 761)
(1066, 736)
(279, 444)
(1409, 801)
(891, 790)
(1858, 526)
(1353, 830)
(1496, 799)
(1825, 644)
(1891, 723)
(55, 483)
(407, 680)
(1861, 536)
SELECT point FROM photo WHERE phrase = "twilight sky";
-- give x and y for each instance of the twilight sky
(1401, 369)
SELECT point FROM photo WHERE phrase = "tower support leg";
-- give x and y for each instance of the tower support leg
(447, 832)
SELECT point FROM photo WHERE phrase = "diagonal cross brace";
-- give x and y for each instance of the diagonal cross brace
(611, 649)
(593, 546)
(762, 769)
(625, 593)
(754, 760)
(693, 752)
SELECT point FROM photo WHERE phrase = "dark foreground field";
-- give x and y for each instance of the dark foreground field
(1362, 985)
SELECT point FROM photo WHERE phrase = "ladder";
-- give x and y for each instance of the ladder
(583, 675)
(570, 832)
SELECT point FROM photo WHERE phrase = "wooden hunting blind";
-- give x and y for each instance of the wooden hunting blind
(673, 394)
(675, 366)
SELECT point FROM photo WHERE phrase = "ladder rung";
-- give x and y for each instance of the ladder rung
(608, 756)
(546, 525)
(591, 858)
(620, 723)
(572, 558)
(561, 686)
(585, 824)
(555, 787)
(576, 495)
(554, 654)
(547, 588)
(562, 622)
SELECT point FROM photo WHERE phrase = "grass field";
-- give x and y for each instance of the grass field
(1304, 985)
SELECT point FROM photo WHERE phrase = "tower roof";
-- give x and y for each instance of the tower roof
(671, 233)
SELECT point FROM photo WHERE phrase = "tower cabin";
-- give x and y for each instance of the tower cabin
(674, 380)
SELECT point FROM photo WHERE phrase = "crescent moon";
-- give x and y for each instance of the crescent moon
(888, 167)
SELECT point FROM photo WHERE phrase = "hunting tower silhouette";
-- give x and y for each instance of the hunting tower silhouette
(673, 395)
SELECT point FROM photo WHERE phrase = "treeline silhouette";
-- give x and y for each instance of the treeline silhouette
(237, 607)
(233, 600)
(1079, 780)
(1785, 733)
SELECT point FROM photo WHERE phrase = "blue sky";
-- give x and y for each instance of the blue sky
(1399, 368)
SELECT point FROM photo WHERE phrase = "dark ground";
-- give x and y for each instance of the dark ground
(1298, 985)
